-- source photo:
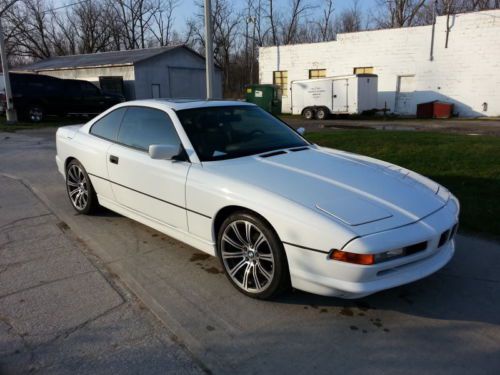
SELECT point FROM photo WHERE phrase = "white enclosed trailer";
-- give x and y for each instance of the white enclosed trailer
(318, 98)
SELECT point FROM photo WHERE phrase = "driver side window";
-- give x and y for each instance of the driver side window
(142, 127)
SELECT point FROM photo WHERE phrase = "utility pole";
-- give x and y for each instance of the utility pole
(9, 111)
(253, 20)
(209, 53)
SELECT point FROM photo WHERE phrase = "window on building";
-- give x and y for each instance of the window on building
(142, 127)
(317, 73)
(280, 79)
(363, 70)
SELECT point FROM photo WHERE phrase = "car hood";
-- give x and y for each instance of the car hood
(363, 194)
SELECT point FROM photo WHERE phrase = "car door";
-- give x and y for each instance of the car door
(153, 188)
(95, 145)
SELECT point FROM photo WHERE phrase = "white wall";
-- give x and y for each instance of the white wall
(466, 73)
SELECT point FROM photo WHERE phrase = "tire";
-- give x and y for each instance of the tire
(321, 113)
(80, 191)
(259, 270)
(308, 114)
(35, 113)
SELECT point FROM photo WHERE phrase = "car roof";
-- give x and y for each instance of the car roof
(180, 104)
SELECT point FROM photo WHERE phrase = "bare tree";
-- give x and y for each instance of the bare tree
(325, 26)
(398, 13)
(226, 22)
(271, 16)
(164, 21)
(350, 20)
(291, 25)
(91, 27)
(135, 18)
(30, 29)
(473, 5)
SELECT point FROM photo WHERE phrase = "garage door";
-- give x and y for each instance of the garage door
(187, 83)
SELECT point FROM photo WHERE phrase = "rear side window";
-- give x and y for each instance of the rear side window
(107, 127)
(142, 127)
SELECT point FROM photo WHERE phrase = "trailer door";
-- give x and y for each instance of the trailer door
(340, 96)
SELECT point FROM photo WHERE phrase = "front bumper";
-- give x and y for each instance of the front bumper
(313, 272)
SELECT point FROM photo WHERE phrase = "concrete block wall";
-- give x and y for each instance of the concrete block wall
(466, 73)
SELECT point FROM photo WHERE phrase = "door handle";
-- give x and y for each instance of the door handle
(113, 159)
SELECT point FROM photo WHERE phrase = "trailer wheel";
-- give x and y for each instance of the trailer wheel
(321, 113)
(308, 113)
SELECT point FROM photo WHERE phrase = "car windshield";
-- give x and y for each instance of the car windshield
(234, 131)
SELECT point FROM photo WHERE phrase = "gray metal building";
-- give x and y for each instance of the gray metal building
(164, 72)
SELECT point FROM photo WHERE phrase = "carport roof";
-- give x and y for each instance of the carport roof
(99, 59)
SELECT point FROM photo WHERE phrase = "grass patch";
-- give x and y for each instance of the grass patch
(467, 165)
(50, 123)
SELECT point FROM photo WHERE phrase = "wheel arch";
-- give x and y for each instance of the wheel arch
(226, 211)
(68, 160)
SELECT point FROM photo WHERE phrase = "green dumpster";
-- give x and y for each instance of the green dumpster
(265, 96)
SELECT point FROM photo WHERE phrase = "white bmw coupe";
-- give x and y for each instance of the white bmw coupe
(237, 183)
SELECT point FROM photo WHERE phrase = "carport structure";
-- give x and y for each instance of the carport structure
(174, 71)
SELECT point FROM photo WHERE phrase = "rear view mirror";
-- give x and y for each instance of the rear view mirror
(164, 152)
(301, 131)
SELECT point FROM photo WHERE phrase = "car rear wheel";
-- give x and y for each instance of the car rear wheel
(80, 190)
(252, 256)
(35, 113)
(308, 114)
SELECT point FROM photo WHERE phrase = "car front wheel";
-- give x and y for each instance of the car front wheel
(80, 190)
(252, 256)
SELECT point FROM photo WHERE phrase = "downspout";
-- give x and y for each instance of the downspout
(431, 58)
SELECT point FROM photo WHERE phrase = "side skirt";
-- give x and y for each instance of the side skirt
(187, 238)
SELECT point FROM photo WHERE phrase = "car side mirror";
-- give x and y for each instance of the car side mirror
(301, 131)
(164, 152)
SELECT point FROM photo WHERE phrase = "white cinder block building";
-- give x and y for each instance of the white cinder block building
(466, 72)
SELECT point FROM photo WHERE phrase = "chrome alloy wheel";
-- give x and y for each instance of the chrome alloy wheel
(247, 256)
(77, 185)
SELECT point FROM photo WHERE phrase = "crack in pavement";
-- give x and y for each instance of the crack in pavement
(45, 283)
(15, 222)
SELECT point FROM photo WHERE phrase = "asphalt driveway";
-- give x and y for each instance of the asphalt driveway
(447, 323)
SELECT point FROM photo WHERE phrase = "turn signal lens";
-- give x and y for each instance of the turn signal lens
(344, 256)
